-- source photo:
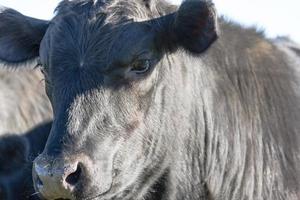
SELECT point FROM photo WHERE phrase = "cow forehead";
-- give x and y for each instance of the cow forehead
(113, 9)
(92, 36)
(80, 44)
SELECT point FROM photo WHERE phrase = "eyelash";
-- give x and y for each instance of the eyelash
(41, 67)
(141, 66)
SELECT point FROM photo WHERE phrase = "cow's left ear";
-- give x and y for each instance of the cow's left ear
(193, 27)
(20, 36)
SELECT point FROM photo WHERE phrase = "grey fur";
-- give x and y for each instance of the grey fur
(23, 102)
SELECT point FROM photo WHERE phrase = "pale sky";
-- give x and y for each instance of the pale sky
(277, 17)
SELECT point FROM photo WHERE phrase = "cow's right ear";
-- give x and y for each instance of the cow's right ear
(20, 36)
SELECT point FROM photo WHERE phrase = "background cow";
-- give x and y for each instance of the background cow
(23, 106)
(23, 102)
(17, 153)
(144, 109)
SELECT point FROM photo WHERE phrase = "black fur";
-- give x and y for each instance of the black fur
(17, 153)
(24, 33)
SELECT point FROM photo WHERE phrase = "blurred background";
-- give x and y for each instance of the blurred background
(276, 17)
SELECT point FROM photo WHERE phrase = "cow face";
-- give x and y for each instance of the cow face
(103, 62)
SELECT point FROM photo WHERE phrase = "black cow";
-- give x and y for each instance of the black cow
(23, 105)
(144, 109)
(17, 153)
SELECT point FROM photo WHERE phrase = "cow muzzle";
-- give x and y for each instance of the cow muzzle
(60, 178)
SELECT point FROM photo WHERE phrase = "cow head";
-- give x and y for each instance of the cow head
(103, 63)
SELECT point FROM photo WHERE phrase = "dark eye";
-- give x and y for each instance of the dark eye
(42, 69)
(141, 66)
(40, 66)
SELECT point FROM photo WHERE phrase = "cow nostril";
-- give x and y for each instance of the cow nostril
(74, 177)
(39, 182)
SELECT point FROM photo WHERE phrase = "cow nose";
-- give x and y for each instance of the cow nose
(57, 180)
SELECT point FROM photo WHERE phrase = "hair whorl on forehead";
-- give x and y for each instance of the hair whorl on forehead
(142, 9)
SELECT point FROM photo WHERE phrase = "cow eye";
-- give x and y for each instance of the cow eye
(40, 66)
(42, 69)
(141, 66)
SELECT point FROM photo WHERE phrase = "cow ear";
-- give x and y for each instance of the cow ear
(20, 36)
(14, 152)
(193, 27)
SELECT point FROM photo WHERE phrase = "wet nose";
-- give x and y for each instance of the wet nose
(57, 179)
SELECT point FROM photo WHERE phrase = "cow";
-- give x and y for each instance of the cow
(157, 102)
(17, 152)
(23, 101)
(24, 107)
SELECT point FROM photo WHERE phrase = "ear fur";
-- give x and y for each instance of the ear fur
(193, 27)
(20, 36)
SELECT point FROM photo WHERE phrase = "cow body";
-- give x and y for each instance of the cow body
(249, 91)
(17, 152)
(24, 106)
(145, 108)
(23, 102)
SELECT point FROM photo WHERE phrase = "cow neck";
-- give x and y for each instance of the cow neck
(159, 188)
